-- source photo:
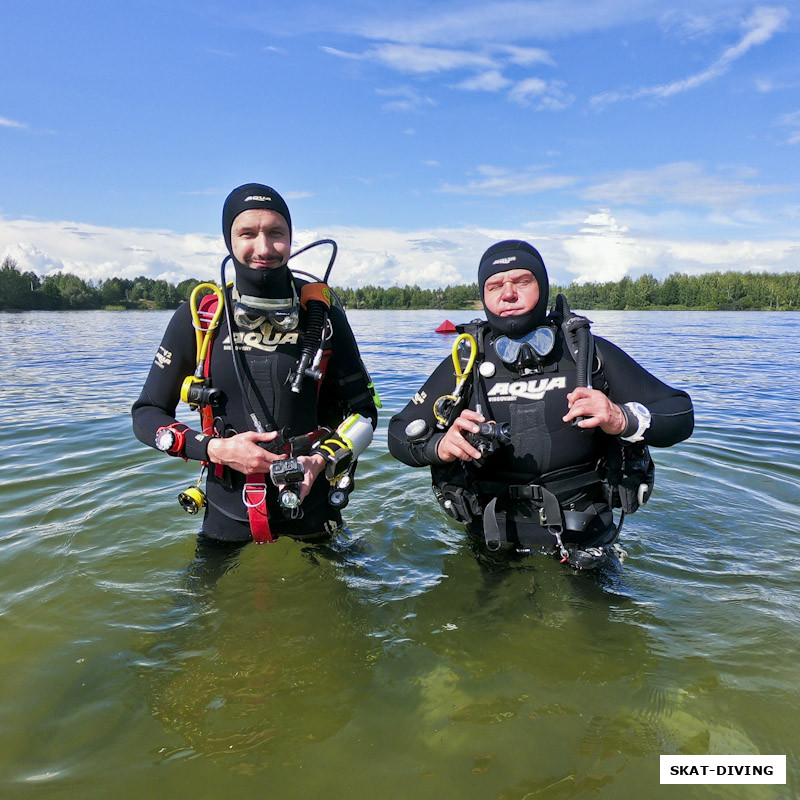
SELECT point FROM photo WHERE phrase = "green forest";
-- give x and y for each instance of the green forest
(712, 291)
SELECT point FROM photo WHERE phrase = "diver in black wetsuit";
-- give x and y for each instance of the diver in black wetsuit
(270, 319)
(556, 454)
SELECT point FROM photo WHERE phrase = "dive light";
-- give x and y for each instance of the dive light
(289, 473)
(345, 445)
(339, 495)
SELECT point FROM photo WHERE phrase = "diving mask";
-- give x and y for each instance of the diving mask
(530, 348)
(252, 312)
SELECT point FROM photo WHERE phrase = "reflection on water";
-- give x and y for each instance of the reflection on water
(396, 662)
(244, 672)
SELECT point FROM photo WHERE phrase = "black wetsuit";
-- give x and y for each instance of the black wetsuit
(269, 355)
(543, 448)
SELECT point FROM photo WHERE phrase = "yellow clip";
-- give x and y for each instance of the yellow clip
(203, 334)
(461, 376)
(444, 406)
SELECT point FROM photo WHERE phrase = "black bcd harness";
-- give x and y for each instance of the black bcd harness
(625, 472)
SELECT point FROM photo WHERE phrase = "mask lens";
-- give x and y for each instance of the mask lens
(285, 320)
(507, 349)
(245, 318)
(541, 340)
(531, 347)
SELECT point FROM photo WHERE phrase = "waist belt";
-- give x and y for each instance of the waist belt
(552, 517)
(560, 487)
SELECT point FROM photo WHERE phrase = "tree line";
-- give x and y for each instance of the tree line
(711, 291)
(61, 292)
(730, 291)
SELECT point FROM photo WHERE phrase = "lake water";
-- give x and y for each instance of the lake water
(395, 664)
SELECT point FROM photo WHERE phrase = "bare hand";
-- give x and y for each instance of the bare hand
(453, 445)
(596, 409)
(313, 466)
(242, 453)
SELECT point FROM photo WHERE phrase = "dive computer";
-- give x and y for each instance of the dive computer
(638, 418)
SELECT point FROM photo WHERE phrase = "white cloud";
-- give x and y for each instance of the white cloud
(405, 99)
(602, 249)
(342, 53)
(597, 245)
(491, 81)
(759, 27)
(463, 22)
(385, 257)
(210, 192)
(11, 123)
(525, 56)
(487, 64)
(499, 181)
(417, 59)
(682, 182)
(792, 121)
(542, 94)
(530, 87)
(95, 253)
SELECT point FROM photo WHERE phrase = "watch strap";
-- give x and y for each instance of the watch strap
(179, 442)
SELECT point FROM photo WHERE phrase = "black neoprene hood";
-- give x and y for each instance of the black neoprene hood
(502, 257)
(252, 195)
(274, 282)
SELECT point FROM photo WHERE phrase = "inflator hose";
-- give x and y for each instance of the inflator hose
(582, 360)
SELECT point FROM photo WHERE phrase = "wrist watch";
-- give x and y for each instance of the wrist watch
(638, 418)
(170, 440)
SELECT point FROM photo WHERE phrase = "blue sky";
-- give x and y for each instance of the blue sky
(619, 137)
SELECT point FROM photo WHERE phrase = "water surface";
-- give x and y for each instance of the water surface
(396, 663)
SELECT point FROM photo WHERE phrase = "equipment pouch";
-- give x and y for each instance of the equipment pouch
(459, 503)
(452, 489)
(629, 475)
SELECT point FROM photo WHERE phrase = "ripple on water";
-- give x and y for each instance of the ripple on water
(395, 650)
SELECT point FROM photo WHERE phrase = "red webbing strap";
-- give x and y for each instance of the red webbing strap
(323, 368)
(254, 496)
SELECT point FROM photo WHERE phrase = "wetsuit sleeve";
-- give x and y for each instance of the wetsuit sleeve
(672, 414)
(421, 452)
(155, 408)
(346, 381)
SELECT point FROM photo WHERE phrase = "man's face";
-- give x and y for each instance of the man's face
(260, 238)
(508, 294)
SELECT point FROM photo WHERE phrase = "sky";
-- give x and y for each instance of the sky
(619, 137)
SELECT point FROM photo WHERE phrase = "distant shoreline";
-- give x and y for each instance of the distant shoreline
(442, 310)
(713, 291)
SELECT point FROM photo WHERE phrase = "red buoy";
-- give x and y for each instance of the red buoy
(446, 327)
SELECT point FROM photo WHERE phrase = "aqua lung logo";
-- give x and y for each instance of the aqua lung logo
(506, 260)
(267, 340)
(163, 358)
(258, 198)
(530, 390)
